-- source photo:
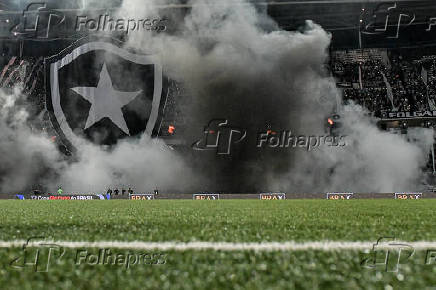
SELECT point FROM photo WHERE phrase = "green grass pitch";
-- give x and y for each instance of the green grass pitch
(218, 221)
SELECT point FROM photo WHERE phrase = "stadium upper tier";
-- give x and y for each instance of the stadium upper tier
(353, 23)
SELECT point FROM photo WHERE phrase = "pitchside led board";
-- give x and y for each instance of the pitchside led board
(141, 196)
(206, 196)
(340, 195)
(272, 196)
(64, 197)
(408, 195)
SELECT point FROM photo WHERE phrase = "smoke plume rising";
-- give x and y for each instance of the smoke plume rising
(235, 64)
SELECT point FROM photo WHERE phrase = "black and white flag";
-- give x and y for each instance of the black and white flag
(103, 92)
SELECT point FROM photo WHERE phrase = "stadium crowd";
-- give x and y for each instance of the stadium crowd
(387, 81)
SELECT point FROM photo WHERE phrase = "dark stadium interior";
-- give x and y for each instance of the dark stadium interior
(380, 69)
(217, 144)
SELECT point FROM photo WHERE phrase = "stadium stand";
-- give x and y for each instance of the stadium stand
(386, 80)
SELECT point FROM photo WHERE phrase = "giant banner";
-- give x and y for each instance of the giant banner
(98, 90)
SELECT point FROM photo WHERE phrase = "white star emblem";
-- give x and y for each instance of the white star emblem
(106, 101)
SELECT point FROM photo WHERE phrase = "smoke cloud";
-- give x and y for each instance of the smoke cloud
(371, 161)
(235, 64)
(26, 158)
(30, 159)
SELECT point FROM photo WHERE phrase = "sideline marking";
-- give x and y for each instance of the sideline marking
(221, 246)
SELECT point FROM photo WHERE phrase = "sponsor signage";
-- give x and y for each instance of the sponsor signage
(340, 195)
(271, 196)
(409, 115)
(206, 196)
(141, 196)
(408, 195)
(61, 197)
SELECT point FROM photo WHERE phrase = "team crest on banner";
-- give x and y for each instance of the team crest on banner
(103, 92)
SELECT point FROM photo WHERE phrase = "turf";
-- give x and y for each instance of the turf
(225, 220)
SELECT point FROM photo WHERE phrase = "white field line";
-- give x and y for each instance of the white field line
(221, 246)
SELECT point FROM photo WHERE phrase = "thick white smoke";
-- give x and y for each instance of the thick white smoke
(30, 159)
(227, 46)
(234, 63)
(143, 164)
(371, 161)
(25, 157)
